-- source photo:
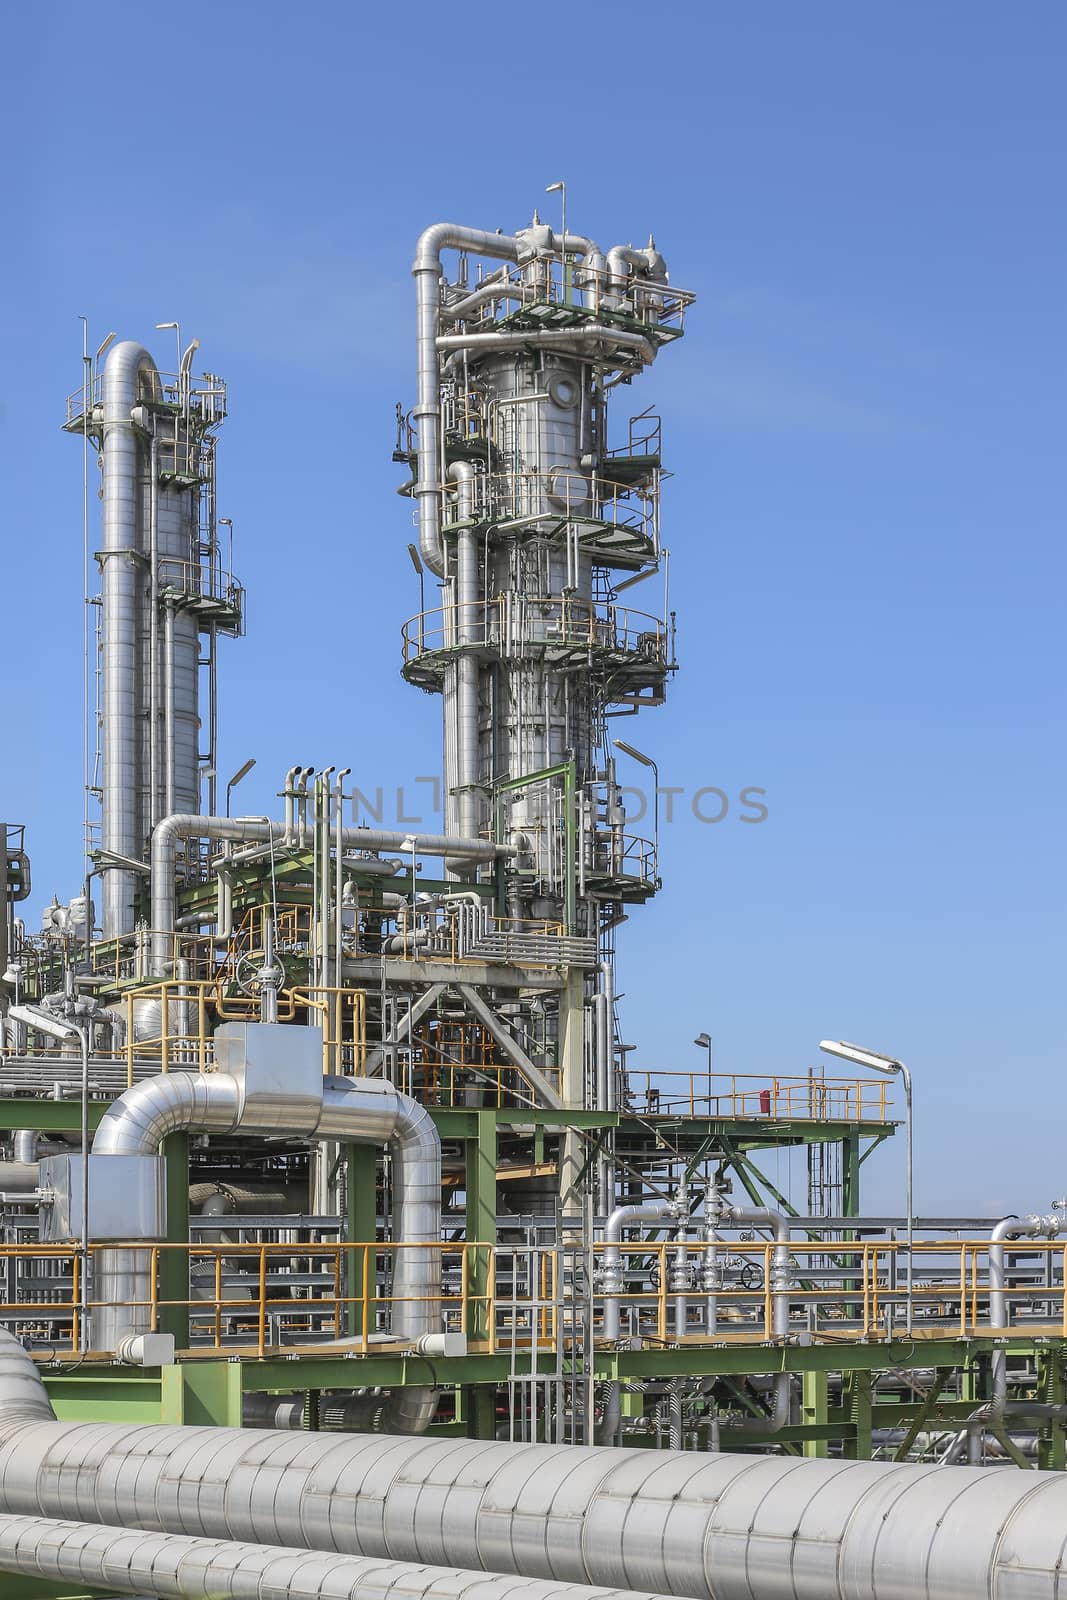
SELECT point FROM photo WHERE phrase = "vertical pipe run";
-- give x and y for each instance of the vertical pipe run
(129, 373)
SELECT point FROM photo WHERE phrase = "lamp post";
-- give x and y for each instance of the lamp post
(177, 327)
(703, 1040)
(647, 761)
(876, 1062)
(60, 1028)
(242, 772)
(560, 188)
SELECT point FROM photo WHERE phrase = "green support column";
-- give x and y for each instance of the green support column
(850, 1175)
(858, 1411)
(480, 1184)
(479, 1404)
(1052, 1390)
(572, 1086)
(202, 1394)
(479, 1412)
(174, 1264)
(362, 1225)
(815, 1410)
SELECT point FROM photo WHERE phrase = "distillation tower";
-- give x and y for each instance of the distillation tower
(166, 594)
(532, 522)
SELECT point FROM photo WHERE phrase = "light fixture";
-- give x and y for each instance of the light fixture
(45, 1022)
(242, 772)
(177, 327)
(646, 761)
(560, 188)
(875, 1061)
(703, 1042)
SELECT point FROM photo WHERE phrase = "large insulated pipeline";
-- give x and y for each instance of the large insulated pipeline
(714, 1527)
(245, 830)
(175, 1567)
(352, 1111)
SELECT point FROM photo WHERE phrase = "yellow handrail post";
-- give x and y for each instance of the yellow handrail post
(153, 1290)
(262, 1301)
(368, 1268)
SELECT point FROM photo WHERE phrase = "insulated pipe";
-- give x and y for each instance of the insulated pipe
(24, 1146)
(714, 1527)
(18, 1177)
(466, 775)
(781, 1265)
(186, 825)
(549, 338)
(174, 1567)
(290, 805)
(353, 1111)
(128, 371)
(427, 413)
(1030, 1227)
(781, 1278)
(612, 1284)
(612, 1281)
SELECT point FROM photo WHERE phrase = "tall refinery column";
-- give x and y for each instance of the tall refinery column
(129, 376)
(532, 522)
(164, 585)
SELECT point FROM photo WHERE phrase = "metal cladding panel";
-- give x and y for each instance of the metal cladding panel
(632, 1534)
(177, 1567)
(959, 1563)
(814, 1507)
(511, 1521)
(279, 1070)
(127, 1198)
(904, 1550)
(717, 1528)
(1033, 1544)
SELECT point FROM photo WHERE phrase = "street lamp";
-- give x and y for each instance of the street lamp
(876, 1062)
(416, 562)
(242, 772)
(560, 188)
(59, 1028)
(646, 761)
(177, 334)
(703, 1040)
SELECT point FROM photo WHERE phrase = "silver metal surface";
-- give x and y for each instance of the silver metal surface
(349, 1110)
(127, 1198)
(167, 834)
(716, 1527)
(176, 1567)
(129, 375)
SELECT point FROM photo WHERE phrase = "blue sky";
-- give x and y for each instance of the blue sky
(864, 421)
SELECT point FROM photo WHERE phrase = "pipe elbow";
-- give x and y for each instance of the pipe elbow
(137, 1123)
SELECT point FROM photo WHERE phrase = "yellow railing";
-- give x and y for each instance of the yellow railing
(238, 1295)
(468, 1083)
(839, 1289)
(750, 1095)
(171, 1024)
(241, 1301)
